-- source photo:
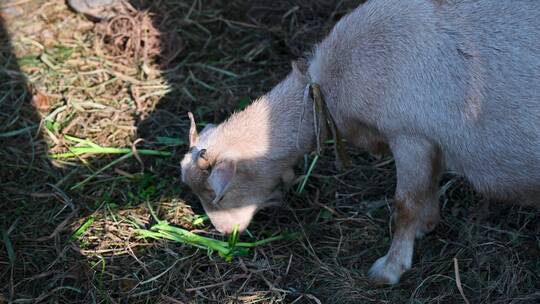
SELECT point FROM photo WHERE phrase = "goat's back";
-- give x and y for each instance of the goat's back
(462, 74)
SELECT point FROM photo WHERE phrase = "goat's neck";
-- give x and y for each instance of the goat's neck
(277, 126)
(294, 129)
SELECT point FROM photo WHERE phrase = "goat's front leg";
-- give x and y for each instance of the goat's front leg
(416, 209)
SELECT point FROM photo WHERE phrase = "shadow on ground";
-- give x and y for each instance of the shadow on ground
(136, 76)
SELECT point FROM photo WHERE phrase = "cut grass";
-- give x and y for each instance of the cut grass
(82, 229)
(227, 250)
(302, 185)
(87, 147)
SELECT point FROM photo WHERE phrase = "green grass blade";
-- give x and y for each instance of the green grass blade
(82, 229)
(282, 237)
(190, 236)
(216, 69)
(81, 141)
(114, 162)
(170, 141)
(17, 132)
(234, 237)
(227, 250)
(199, 220)
(183, 236)
(9, 247)
(154, 216)
(302, 186)
(89, 147)
(77, 151)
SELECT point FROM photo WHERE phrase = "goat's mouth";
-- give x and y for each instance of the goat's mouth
(227, 220)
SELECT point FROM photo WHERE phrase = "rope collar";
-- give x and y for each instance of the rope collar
(321, 114)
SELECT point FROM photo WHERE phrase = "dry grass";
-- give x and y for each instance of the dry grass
(136, 77)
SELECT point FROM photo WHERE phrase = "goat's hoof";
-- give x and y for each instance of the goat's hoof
(387, 272)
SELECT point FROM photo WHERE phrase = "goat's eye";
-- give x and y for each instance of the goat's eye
(202, 154)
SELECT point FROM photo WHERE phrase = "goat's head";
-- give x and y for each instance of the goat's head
(230, 181)
(237, 167)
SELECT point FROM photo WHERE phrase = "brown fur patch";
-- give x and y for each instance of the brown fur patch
(379, 149)
(405, 213)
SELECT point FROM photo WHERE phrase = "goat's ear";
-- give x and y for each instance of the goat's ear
(193, 135)
(221, 178)
(202, 160)
(300, 66)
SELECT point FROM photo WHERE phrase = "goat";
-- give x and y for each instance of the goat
(440, 84)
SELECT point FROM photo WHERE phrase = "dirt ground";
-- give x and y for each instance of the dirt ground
(67, 224)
